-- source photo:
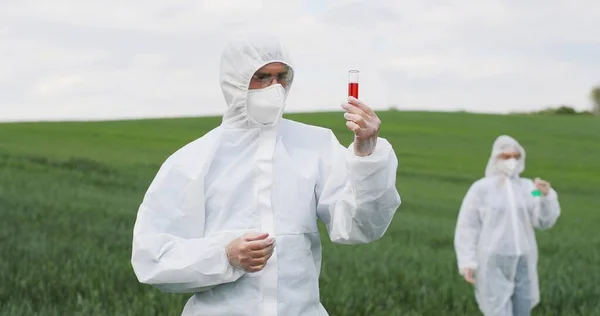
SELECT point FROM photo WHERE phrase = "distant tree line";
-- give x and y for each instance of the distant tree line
(595, 95)
(558, 110)
(569, 110)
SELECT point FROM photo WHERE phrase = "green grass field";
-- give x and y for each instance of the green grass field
(69, 194)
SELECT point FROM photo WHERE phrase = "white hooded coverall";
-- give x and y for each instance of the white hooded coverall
(494, 235)
(246, 177)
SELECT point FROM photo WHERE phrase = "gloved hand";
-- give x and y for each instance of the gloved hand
(364, 123)
(250, 251)
(469, 275)
(542, 185)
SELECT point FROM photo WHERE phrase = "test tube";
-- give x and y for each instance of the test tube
(353, 83)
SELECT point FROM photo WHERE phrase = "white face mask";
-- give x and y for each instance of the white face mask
(266, 105)
(508, 166)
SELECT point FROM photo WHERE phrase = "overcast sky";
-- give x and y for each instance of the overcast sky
(98, 59)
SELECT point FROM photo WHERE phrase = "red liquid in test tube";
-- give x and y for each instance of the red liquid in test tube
(353, 83)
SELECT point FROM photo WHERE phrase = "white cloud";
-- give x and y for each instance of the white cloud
(460, 66)
(57, 85)
(104, 59)
(143, 61)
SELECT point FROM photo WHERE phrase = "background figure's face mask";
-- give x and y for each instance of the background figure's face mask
(507, 158)
(508, 162)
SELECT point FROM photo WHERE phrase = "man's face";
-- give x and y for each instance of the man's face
(509, 154)
(269, 74)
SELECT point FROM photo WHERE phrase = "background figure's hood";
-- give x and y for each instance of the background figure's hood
(501, 144)
(241, 58)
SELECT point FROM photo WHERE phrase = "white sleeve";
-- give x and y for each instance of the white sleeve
(169, 249)
(468, 227)
(357, 196)
(545, 214)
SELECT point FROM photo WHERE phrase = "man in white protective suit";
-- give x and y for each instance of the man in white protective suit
(232, 216)
(494, 240)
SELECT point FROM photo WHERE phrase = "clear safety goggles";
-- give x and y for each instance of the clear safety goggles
(265, 79)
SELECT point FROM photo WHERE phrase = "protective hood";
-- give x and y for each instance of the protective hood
(504, 143)
(241, 58)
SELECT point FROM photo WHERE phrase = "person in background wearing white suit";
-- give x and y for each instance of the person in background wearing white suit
(232, 216)
(494, 239)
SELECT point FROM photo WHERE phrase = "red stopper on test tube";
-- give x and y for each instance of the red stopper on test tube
(353, 83)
